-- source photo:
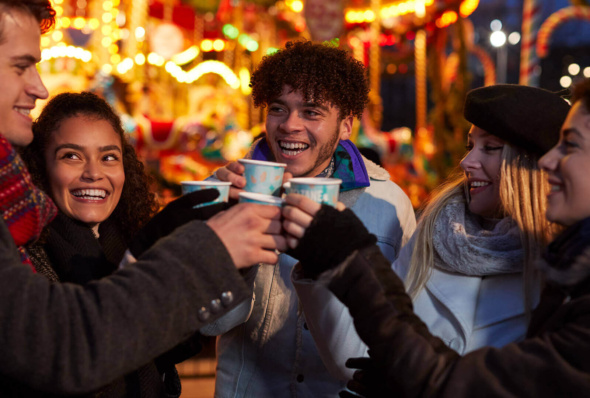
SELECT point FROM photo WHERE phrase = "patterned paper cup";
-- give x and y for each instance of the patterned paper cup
(261, 199)
(221, 186)
(321, 190)
(263, 177)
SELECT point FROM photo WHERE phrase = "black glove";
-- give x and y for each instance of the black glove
(368, 381)
(175, 214)
(332, 236)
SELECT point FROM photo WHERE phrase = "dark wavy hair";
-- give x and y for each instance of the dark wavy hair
(137, 203)
(41, 10)
(320, 72)
(581, 92)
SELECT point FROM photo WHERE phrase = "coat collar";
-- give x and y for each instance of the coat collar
(476, 302)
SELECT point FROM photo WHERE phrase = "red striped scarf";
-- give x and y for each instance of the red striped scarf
(26, 209)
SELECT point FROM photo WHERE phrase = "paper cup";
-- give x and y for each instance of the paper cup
(261, 199)
(263, 177)
(321, 190)
(221, 186)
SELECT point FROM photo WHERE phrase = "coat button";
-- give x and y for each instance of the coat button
(203, 314)
(300, 378)
(215, 306)
(227, 298)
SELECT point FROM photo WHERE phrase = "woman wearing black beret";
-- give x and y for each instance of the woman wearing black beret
(405, 358)
(469, 267)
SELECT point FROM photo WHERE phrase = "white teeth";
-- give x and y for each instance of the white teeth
(477, 184)
(23, 111)
(91, 194)
(293, 145)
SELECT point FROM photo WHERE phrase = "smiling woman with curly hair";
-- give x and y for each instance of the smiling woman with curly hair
(81, 158)
(136, 204)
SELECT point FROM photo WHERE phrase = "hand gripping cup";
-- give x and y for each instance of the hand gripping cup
(221, 186)
(321, 190)
(261, 199)
(263, 177)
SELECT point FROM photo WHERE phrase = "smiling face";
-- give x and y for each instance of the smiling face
(20, 83)
(85, 168)
(482, 170)
(304, 134)
(567, 165)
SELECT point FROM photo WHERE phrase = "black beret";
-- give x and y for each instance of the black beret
(526, 117)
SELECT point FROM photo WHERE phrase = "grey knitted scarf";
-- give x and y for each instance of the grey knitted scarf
(463, 245)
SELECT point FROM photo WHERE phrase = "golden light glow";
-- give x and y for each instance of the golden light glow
(79, 23)
(59, 11)
(106, 41)
(206, 45)
(297, 6)
(107, 5)
(155, 59)
(140, 59)
(107, 68)
(57, 35)
(65, 22)
(63, 51)
(107, 17)
(186, 56)
(45, 41)
(446, 19)
(244, 75)
(391, 10)
(139, 33)
(218, 45)
(125, 66)
(115, 59)
(467, 7)
(94, 23)
(201, 69)
(106, 30)
(113, 49)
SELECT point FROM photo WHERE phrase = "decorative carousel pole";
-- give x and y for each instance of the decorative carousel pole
(529, 61)
(420, 67)
(375, 64)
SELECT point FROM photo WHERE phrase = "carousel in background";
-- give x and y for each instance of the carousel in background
(178, 73)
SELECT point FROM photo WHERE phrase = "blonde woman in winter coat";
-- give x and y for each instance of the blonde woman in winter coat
(469, 267)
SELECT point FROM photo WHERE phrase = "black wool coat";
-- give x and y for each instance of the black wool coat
(66, 339)
(407, 361)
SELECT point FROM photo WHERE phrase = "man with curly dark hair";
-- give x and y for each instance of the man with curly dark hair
(312, 93)
(64, 339)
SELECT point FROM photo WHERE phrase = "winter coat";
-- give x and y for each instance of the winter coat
(67, 339)
(70, 252)
(554, 359)
(273, 353)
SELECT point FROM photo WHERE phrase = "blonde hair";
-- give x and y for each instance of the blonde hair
(523, 190)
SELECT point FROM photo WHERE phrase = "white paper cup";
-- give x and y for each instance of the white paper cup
(221, 186)
(263, 177)
(320, 190)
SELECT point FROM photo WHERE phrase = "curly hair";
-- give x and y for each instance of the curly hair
(581, 92)
(320, 72)
(137, 203)
(41, 10)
